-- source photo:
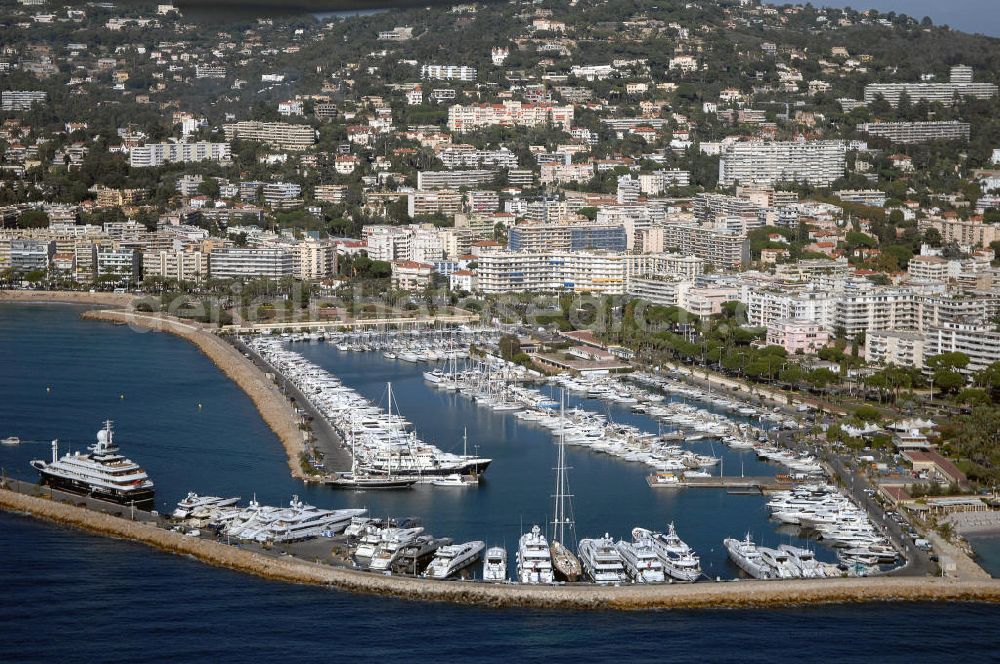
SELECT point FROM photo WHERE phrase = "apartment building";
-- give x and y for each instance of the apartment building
(901, 349)
(721, 248)
(869, 197)
(657, 182)
(29, 255)
(179, 264)
(797, 336)
(531, 236)
(980, 342)
(454, 179)
(766, 303)
(21, 100)
(964, 232)
(860, 309)
(509, 113)
(424, 202)
(247, 262)
(520, 271)
(686, 268)
(448, 73)
(917, 132)
(121, 266)
(466, 156)
(961, 85)
(388, 243)
(818, 163)
(158, 154)
(411, 275)
(663, 289)
(313, 259)
(278, 134)
(553, 173)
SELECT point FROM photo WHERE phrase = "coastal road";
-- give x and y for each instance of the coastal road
(918, 562)
(326, 438)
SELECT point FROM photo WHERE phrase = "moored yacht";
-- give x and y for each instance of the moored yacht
(495, 564)
(102, 473)
(601, 561)
(641, 562)
(534, 561)
(452, 559)
(745, 555)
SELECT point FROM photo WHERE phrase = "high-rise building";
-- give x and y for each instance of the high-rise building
(244, 262)
(917, 132)
(158, 154)
(961, 85)
(279, 134)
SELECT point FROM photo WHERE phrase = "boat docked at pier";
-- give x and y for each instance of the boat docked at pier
(495, 565)
(641, 562)
(394, 540)
(534, 560)
(101, 473)
(415, 556)
(680, 562)
(452, 559)
(193, 506)
(298, 521)
(601, 561)
(745, 554)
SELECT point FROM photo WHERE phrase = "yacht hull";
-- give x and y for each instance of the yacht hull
(142, 499)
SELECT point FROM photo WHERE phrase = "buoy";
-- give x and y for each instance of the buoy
(199, 406)
(48, 389)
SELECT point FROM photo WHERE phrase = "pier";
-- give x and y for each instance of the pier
(740, 484)
(118, 522)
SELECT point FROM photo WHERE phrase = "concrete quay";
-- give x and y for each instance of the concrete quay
(272, 565)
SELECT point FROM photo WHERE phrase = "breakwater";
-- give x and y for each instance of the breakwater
(741, 594)
(275, 409)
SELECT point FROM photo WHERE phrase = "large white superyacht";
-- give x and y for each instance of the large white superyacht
(746, 556)
(102, 473)
(534, 561)
(679, 561)
(601, 561)
(451, 559)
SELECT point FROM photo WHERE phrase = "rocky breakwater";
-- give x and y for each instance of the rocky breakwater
(743, 594)
(273, 406)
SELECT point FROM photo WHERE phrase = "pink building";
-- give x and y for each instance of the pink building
(797, 336)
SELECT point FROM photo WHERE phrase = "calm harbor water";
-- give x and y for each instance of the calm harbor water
(60, 376)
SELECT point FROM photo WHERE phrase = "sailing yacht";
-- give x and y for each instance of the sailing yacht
(566, 566)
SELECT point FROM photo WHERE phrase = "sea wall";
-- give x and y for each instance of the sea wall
(272, 405)
(742, 594)
(71, 297)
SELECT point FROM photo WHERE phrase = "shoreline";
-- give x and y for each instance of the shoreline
(275, 409)
(120, 300)
(738, 594)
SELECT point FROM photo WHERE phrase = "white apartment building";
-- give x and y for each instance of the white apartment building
(279, 134)
(961, 85)
(686, 268)
(581, 272)
(454, 179)
(552, 173)
(766, 304)
(818, 163)
(918, 132)
(663, 289)
(859, 310)
(723, 249)
(21, 100)
(657, 182)
(980, 342)
(158, 154)
(448, 73)
(246, 262)
(388, 243)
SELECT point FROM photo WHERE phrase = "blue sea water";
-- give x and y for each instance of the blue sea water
(74, 596)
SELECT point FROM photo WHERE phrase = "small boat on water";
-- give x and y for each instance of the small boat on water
(456, 480)
(366, 483)
(10, 440)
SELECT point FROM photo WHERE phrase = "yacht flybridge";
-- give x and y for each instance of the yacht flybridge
(101, 473)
